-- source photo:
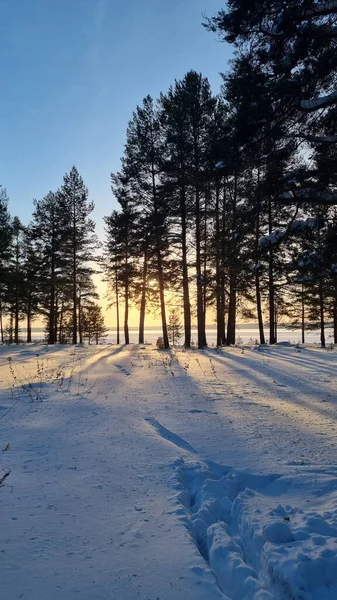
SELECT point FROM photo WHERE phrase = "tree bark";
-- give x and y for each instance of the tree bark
(126, 292)
(159, 258)
(200, 306)
(205, 262)
(51, 317)
(74, 336)
(117, 306)
(143, 299)
(272, 336)
(231, 322)
(302, 315)
(257, 278)
(259, 309)
(1, 324)
(80, 329)
(29, 318)
(10, 336)
(219, 320)
(335, 321)
(126, 315)
(162, 298)
(222, 269)
(186, 292)
(16, 320)
(321, 312)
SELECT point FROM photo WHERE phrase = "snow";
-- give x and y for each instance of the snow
(138, 473)
(297, 225)
(266, 241)
(321, 102)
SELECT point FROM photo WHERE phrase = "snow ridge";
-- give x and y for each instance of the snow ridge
(257, 549)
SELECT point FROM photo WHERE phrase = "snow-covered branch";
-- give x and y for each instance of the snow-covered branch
(319, 139)
(296, 226)
(317, 103)
(320, 9)
(307, 195)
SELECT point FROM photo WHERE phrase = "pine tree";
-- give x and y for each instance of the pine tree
(48, 232)
(93, 324)
(15, 291)
(112, 262)
(32, 268)
(143, 167)
(119, 262)
(80, 240)
(6, 233)
(175, 329)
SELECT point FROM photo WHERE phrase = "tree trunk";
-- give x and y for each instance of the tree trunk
(1, 325)
(74, 337)
(162, 298)
(272, 336)
(126, 292)
(321, 312)
(126, 315)
(117, 307)
(205, 262)
(257, 278)
(56, 317)
(29, 319)
(302, 315)
(11, 320)
(219, 320)
(159, 259)
(143, 299)
(16, 320)
(80, 328)
(186, 292)
(222, 269)
(231, 324)
(51, 316)
(259, 309)
(335, 321)
(200, 282)
(60, 332)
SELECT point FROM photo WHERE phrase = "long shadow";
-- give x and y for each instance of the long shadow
(325, 412)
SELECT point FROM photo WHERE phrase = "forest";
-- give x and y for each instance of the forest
(226, 203)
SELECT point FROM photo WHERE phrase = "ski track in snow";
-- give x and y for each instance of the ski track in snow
(88, 511)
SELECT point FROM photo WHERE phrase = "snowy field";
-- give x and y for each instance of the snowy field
(129, 473)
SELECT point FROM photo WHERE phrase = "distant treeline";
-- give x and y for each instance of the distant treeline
(46, 267)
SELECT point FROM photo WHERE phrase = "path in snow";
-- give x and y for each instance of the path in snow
(119, 486)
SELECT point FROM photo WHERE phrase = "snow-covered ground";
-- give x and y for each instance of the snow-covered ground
(134, 473)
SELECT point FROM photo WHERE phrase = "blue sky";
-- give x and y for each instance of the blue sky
(72, 72)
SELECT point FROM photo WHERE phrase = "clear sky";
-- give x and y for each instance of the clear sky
(73, 71)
